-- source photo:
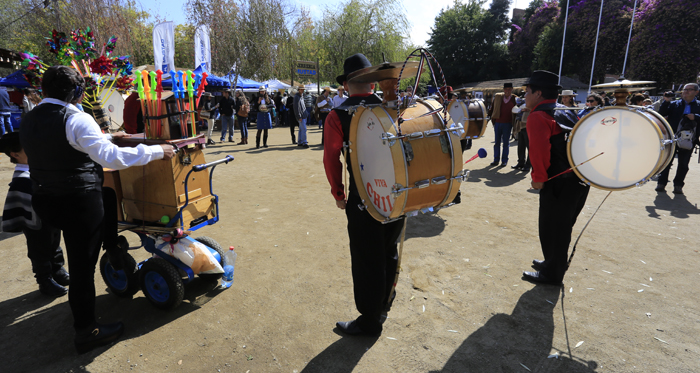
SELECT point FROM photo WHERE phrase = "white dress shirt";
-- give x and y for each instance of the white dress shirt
(84, 135)
(338, 100)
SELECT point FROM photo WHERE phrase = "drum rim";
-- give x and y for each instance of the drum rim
(450, 196)
(657, 168)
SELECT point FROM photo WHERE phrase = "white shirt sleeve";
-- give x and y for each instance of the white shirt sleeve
(321, 103)
(84, 135)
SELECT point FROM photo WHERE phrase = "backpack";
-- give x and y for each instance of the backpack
(685, 136)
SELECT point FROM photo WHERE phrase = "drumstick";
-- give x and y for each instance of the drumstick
(572, 168)
(481, 154)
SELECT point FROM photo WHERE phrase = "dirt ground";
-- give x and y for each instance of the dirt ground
(628, 304)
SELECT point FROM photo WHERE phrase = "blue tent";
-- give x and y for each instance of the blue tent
(244, 83)
(16, 79)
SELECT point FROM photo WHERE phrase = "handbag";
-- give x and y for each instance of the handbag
(243, 111)
(263, 108)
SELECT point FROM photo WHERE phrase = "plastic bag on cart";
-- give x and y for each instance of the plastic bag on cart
(191, 253)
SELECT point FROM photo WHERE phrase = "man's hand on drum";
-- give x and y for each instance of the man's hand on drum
(690, 116)
(341, 204)
(537, 185)
(168, 151)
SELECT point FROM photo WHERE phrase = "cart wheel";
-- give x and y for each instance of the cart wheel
(208, 241)
(161, 283)
(123, 283)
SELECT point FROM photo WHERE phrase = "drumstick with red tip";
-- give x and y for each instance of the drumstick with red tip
(481, 153)
(572, 168)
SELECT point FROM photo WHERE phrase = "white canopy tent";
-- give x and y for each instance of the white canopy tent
(274, 85)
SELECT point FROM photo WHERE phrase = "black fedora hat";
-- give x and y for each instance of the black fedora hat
(544, 79)
(352, 64)
(507, 85)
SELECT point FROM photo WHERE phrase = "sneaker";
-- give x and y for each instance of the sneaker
(504, 164)
(305, 146)
(51, 288)
(211, 142)
(61, 277)
(677, 190)
(96, 335)
(660, 187)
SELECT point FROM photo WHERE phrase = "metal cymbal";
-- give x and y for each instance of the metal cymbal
(626, 85)
(388, 70)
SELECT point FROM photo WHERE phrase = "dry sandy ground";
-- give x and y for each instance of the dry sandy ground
(629, 303)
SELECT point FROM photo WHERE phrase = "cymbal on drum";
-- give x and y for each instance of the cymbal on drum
(626, 85)
(388, 70)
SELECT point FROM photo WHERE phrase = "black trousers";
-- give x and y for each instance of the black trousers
(561, 200)
(683, 161)
(292, 121)
(523, 146)
(80, 217)
(44, 250)
(323, 117)
(374, 260)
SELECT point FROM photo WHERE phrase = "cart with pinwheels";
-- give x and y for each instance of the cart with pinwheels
(163, 201)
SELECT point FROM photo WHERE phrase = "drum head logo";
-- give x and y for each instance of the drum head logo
(370, 124)
(608, 121)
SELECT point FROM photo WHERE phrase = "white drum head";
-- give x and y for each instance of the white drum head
(113, 108)
(630, 141)
(375, 162)
(458, 112)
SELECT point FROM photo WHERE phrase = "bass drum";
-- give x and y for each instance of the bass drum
(397, 176)
(636, 144)
(471, 114)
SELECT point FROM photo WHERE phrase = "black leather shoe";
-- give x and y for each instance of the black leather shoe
(517, 167)
(351, 328)
(265, 146)
(494, 163)
(97, 335)
(538, 265)
(51, 288)
(61, 277)
(660, 188)
(537, 278)
(677, 190)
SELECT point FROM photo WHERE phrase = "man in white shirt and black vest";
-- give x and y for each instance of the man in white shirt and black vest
(66, 152)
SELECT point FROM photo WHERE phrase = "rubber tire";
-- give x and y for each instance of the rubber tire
(124, 283)
(161, 283)
(208, 241)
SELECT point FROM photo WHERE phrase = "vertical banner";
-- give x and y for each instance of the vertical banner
(164, 46)
(202, 48)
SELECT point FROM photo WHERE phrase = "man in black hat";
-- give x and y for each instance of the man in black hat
(562, 197)
(373, 248)
(501, 115)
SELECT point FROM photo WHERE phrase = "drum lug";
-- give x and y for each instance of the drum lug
(433, 132)
(462, 176)
(415, 136)
(457, 129)
(388, 137)
(422, 183)
(426, 210)
(439, 180)
(362, 206)
(408, 151)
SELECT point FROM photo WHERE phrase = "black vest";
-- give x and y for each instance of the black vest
(345, 119)
(54, 165)
(559, 160)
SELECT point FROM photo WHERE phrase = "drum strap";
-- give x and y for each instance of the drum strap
(345, 169)
(573, 250)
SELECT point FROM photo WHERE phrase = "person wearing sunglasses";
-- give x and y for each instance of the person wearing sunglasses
(592, 101)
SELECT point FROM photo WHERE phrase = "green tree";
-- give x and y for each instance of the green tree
(468, 41)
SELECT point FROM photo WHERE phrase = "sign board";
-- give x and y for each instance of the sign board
(306, 68)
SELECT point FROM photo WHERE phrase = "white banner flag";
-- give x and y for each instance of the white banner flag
(202, 48)
(164, 46)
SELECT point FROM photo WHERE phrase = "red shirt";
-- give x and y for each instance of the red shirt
(540, 127)
(332, 149)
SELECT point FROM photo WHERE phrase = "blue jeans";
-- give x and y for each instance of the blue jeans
(226, 123)
(502, 135)
(302, 132)
(243, 122)
(5, 124)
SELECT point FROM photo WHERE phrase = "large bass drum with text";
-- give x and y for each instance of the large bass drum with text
(636, 143)
(396, 175)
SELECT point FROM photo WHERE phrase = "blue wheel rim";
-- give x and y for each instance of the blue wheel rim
(116, 279)
(156, 287)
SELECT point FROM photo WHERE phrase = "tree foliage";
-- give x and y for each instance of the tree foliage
(468, 41)
(526, 38)
(665, 44)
